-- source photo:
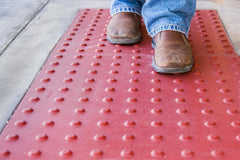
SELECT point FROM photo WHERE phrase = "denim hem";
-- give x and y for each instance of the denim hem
(125, 9)
(171, 27)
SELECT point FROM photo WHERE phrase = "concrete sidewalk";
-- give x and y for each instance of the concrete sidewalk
(31, 28)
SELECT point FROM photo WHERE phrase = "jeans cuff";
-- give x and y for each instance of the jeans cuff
(114, 11)
(171, 27)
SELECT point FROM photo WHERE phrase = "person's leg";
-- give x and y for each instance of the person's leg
(124, 27)
(133, 6)
(168, 23)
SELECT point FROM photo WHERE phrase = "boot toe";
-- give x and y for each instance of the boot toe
(124, 28)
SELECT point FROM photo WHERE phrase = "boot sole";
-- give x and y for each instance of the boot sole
(125, 41)
(158, 69)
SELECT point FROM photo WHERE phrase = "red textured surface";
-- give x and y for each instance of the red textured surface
(94, 100)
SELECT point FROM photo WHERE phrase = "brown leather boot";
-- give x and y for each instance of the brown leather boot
(124, 28)
(173, 53)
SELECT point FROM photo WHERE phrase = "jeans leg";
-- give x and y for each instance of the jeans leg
(162, 15)
(134, 6)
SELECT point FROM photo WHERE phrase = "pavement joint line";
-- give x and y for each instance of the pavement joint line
(23, 28)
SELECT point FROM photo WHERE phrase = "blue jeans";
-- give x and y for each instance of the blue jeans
(159, 15)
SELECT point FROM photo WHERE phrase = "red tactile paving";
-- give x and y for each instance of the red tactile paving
(94, 100)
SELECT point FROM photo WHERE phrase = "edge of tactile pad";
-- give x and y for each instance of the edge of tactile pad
(101, 114)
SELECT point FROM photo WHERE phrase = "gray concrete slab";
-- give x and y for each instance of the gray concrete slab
(23, 58)
(15, 15)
